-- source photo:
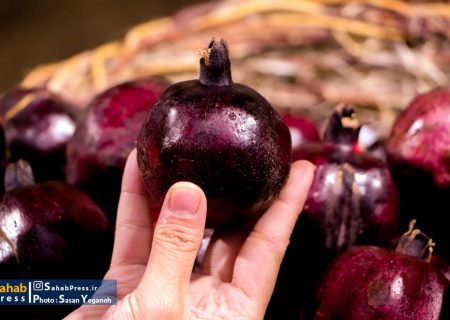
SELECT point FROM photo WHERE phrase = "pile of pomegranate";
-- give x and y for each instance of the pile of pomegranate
(61, 171)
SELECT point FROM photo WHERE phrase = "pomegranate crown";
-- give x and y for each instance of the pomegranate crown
(416, 244)
(343, 126)
(215, 68)
(18, 174)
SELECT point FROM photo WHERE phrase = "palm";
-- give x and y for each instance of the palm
(209, 296)
(212, 293)
(213, 299)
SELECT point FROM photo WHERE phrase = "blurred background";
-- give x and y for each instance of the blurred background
(35, 32)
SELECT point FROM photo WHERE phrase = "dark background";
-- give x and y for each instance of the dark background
(34, 32)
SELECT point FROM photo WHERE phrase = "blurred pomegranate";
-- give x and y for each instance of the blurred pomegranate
(306, 142)
(374, 283)
(3, 161)
(221, 135)
(50, 230)
(352, 201)
(419, 154)
(37, 126)
(353, 198)
(106, 133)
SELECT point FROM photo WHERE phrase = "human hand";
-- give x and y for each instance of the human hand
(153, 266)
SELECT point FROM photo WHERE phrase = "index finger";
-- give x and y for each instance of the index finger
(263, 251)
(133, 236)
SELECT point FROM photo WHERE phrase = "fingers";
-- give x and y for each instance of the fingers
(133, 236)
(222, 251)
(176, 240)
(258, 262)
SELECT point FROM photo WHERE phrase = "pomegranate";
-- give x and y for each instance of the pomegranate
(353, 198)
(37, 126)
(105, 135)
(419, 154)
(374, 283)
(223, 136)
(50, 230)
(306, 142)
(352, 201)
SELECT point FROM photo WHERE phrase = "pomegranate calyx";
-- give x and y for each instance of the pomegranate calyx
(18, 174)
(416, 244)
(343, 127)
(215, 69)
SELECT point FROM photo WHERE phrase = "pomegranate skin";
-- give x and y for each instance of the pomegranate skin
(106, 134)
(353, 205)
(37, 126)
(52, 231)
(419, 155)
(306, 142)
(421, 136)
(220, 135)
(374, 283)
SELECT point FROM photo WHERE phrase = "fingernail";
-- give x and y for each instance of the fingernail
(184, 202)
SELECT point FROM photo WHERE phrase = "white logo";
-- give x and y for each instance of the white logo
(38, 285)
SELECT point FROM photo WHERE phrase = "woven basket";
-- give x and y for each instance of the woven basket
(305, 56)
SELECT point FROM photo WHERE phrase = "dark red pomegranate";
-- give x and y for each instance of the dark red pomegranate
(352, 201)
(37, 126)
(419, 153)
(353, 198)
(50, 230)
(375, 283)
(106, 133)
(3, 160)
(306, 142)
(223, 136)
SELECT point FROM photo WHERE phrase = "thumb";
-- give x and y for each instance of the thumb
(176, 240)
